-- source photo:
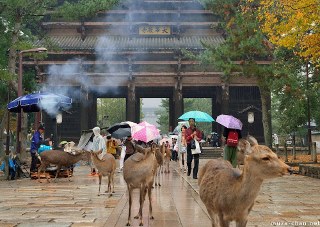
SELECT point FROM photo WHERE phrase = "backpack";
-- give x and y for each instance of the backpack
(233, 138)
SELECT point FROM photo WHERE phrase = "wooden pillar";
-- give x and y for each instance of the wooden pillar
(88, 108)
(177, 102)
(216, 103)
(221, 104)
(138, 107)
(131, 103)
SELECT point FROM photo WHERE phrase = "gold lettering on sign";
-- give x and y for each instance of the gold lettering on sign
(154, 30)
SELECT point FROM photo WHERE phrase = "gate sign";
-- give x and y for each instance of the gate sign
(154, 30)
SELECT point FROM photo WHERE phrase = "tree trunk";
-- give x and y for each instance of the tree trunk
(266, 114)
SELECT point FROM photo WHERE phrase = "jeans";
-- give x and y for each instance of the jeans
(191, 156)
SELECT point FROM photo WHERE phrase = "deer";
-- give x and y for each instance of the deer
(59, 158)
(158, 165)
(167, 157)
(138, 172)
(228, 193)
(105, 167)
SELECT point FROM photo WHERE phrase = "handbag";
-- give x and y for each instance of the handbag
(193, 144)
(197, 150)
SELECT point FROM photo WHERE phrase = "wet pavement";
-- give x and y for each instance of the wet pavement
(288, 201)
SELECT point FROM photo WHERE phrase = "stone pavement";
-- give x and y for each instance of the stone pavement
(291, 201)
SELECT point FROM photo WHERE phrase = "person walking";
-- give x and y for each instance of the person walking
(130, 148)
(36, 141)
(192, 133)
(232, 137)
(182, 147)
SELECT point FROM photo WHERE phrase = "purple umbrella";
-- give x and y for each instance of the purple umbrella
(229, 121)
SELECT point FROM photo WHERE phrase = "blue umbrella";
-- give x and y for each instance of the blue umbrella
(199, 116)
(42, 100)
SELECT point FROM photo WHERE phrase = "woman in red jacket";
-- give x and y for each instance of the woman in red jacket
(192, 133)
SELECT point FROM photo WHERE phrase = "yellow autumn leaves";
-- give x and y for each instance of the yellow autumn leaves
(294, 24)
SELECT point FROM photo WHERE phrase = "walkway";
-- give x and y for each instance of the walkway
(291, 200)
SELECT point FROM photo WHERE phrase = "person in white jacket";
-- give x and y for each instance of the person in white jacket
(99, 143)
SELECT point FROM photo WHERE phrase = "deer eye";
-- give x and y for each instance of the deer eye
(266, 159)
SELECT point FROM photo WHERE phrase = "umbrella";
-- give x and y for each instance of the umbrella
(121, 133)
(117, 126)
(145, 132)
(34, 102)
(177, 129)
(229, 121)
(121, 130)
(199, 116)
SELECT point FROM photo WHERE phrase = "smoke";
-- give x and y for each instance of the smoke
(111, 69)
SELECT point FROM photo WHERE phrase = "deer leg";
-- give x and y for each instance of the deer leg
(112, 180)
(213, 217)
(130, 203)
(57, 173)
(223, 223)
(241, 223)
(142, 197)
(68, 172)
(150, 203)
(41, 168)
(100, 177)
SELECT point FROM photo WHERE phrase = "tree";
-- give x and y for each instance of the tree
(20, 27)
(293, 24)
(111, 111)
(244, 43)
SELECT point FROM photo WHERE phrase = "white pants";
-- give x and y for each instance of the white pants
(123, 153)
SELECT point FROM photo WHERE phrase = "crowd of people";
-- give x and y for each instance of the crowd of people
(181, 147)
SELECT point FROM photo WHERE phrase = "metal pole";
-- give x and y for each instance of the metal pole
(308, 109)
(36, 50)
(18, 145)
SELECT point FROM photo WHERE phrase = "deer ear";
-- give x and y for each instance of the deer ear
(253, 141)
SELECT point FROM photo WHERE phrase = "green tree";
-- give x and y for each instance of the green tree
(20, 26)
(111, 111)
(244, 46)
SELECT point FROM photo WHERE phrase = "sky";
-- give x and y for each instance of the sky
(151, 102)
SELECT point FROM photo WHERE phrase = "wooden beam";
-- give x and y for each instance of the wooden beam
(182, 11)
(111, 62)
(117, 23)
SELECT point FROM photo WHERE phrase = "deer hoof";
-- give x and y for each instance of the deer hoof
(141, 224)
(128, 224)
(151, 217)
(136, 217)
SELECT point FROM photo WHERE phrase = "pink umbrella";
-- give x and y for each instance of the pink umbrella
(145, 132)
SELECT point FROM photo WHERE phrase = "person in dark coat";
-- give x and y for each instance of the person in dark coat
(36, 141)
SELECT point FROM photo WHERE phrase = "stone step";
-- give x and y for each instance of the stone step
(211, 152)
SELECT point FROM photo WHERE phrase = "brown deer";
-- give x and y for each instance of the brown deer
(138, 172)
(105, 167)
(167, 157)
(229, 194)
(158, 165)
(59, 158)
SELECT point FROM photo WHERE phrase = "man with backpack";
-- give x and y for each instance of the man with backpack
(230, 149)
